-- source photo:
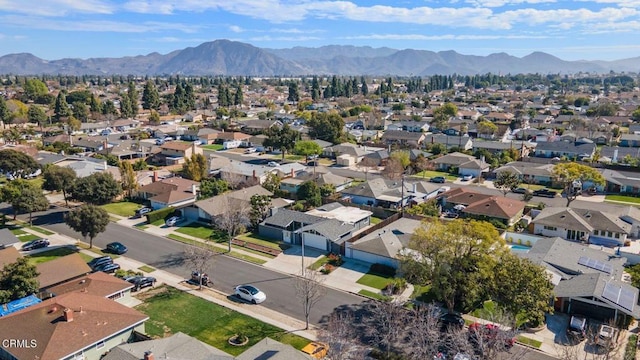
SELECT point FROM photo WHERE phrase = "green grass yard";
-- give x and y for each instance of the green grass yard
(41, 230)
(221, 249)
(375, 220)
(50, 255)
(373, 295)
(171, 311)
(623, 198)
(28, 237)
(257, 239)
(214, 147)
(201, 231)
(428, 174)
(374, 280)
(122, 208)
(319, 263)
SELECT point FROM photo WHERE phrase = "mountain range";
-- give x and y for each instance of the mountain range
(225, 57)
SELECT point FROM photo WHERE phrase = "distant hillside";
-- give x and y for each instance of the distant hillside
(224, 57)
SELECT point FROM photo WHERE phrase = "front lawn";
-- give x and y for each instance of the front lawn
(375, 220)
(171, 310)
(50, 255)
(221, 249)
(623, 198)
(376, 281)
(122, 208)
(202, 231)
(259, 240)
(28, 237)
(319, 263)
(214, 147)
(41, 230)
(423, 294)
(373, 295)
(428, 174)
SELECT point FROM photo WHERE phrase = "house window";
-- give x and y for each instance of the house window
(116, 296)
(595, 232)
(551, 228)
(100, 345)
(609, 234)
(617, 236)
(79, 356)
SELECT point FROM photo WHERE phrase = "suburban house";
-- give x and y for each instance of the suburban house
(586, 225)
(75, 325)
(496, 147)
(268, 348)
(174, 191)
(8, 255)
(98, 283)
(244, 173)
(254, 127)
(83, 166)
(466, 164)
(530, 172)
(321, 178)
(325, 228)
(377, 192)
(233, 137)
(630, 140)
(61, 270)
(347, 153)
(483, 206)
(177, 346)
(401, 137)
(449, 141)
(384, 245)
(586, 280)
(571, 150)
(209, 209)
(619, 181)
(175, 152)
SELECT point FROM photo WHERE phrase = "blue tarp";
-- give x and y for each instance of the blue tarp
(19, 304)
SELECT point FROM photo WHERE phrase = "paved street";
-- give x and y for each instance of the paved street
(166, 254)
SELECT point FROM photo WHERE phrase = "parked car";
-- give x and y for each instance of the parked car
(197, 142)
(607, 336)
(159, 142)
(545, 193)
(141, 282)
(250, 150)
(316, 350)
(35, 244)
(467, 177)
(142, 211)
(451, 321)
(577, 328)
(250, 293)
(99, 261)
(172, 221)
(520, 190)
(273, 164)
(437, 179)
(108, 268)
(116, 248)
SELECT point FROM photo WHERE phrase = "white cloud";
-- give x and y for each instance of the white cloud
(34, 22)
(441, 37)
(236, 28)
(56, 7)
(501, 3)
(284, 38)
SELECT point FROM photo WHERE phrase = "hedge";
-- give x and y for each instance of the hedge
(630, 350)
(160, 214)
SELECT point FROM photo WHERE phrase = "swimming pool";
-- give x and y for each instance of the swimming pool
(519, 248)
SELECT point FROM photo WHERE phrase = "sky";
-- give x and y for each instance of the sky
(570, 30)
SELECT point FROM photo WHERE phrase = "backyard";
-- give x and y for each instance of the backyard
(171, 311)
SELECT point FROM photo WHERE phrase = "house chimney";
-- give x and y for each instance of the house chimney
(194, 189)
(148, 355)
(68, 315)
(254, 174)
(155, 176)
(291, 172)
(105, 166)
(415, 188)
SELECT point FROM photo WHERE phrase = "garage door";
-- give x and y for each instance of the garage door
(315, 241)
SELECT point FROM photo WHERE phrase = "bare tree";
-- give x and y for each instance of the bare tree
(366, 164)
(234, 220)
(598, 346)
(342, 337)
(387, 324)
(424, 336)
(201, 259)
(309, 290)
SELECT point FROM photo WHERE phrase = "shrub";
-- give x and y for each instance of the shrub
(122, 273)
(335, 259)
(383, 270)
(159, 214)
(397, 286)
(327, 269)
(631, 348)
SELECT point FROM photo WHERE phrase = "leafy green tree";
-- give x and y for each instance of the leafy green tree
(427, 208)
(5, 114)
(326, 126)
(272, 182)
(195, 168)
(310, 192)
(402, 156)
(294, 92)
(88, 220)
(18, 164)
(307, 148)
(522, 288)
(238, 98)
(80, 111)
(571, 176)
(487, 128)
(442, 114)
(58, 178)
(94, 105)
(150, 96)
(635, 115)
(18, 280)
(454, 257)
(99, 188)
(132, 94)
(129, 179)
(37, 115)
(24, 197)
(327, 190)
(109, 108)
(211, 187)
(35, 89)
(507, 181)
(61, 109)
(259, 209)
(154, 118)
(283, 139)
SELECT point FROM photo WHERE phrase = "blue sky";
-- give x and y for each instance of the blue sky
(571, 30)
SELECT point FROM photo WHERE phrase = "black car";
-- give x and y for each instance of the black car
(545, 193)
(140, 282)
(94, 263)
(520, 190)
(577, 328)
(116, 248)
(451, 321)
(109, 268)
(35, 244)
(437, 179)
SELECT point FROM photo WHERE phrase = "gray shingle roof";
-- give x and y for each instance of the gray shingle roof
(178, 346)
(331, 229)
(283, 217)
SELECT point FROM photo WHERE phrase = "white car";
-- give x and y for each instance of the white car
(273, 164)
(173, 220)
(250, 293)
(467, 177)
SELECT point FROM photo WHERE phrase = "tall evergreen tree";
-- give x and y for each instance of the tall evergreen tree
(238, 97)
(61, 109)
(150, 96)
(5, 114)
(132, 94)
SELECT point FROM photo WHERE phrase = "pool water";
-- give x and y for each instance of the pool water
(519, 248)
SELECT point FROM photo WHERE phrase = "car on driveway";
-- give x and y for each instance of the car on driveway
(437, 179)
(607, 336)
(35, 244)
(250, 293)
(99, 261)
(172, 221)
(141, 282)
(545, 193)
(143, 211)
(467, 177)
(316, 349)
(577, 328)
(116, 248)
(520, 190)
(109, 268)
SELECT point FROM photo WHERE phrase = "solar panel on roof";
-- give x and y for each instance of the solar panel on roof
(595, 264)
(625, 298)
